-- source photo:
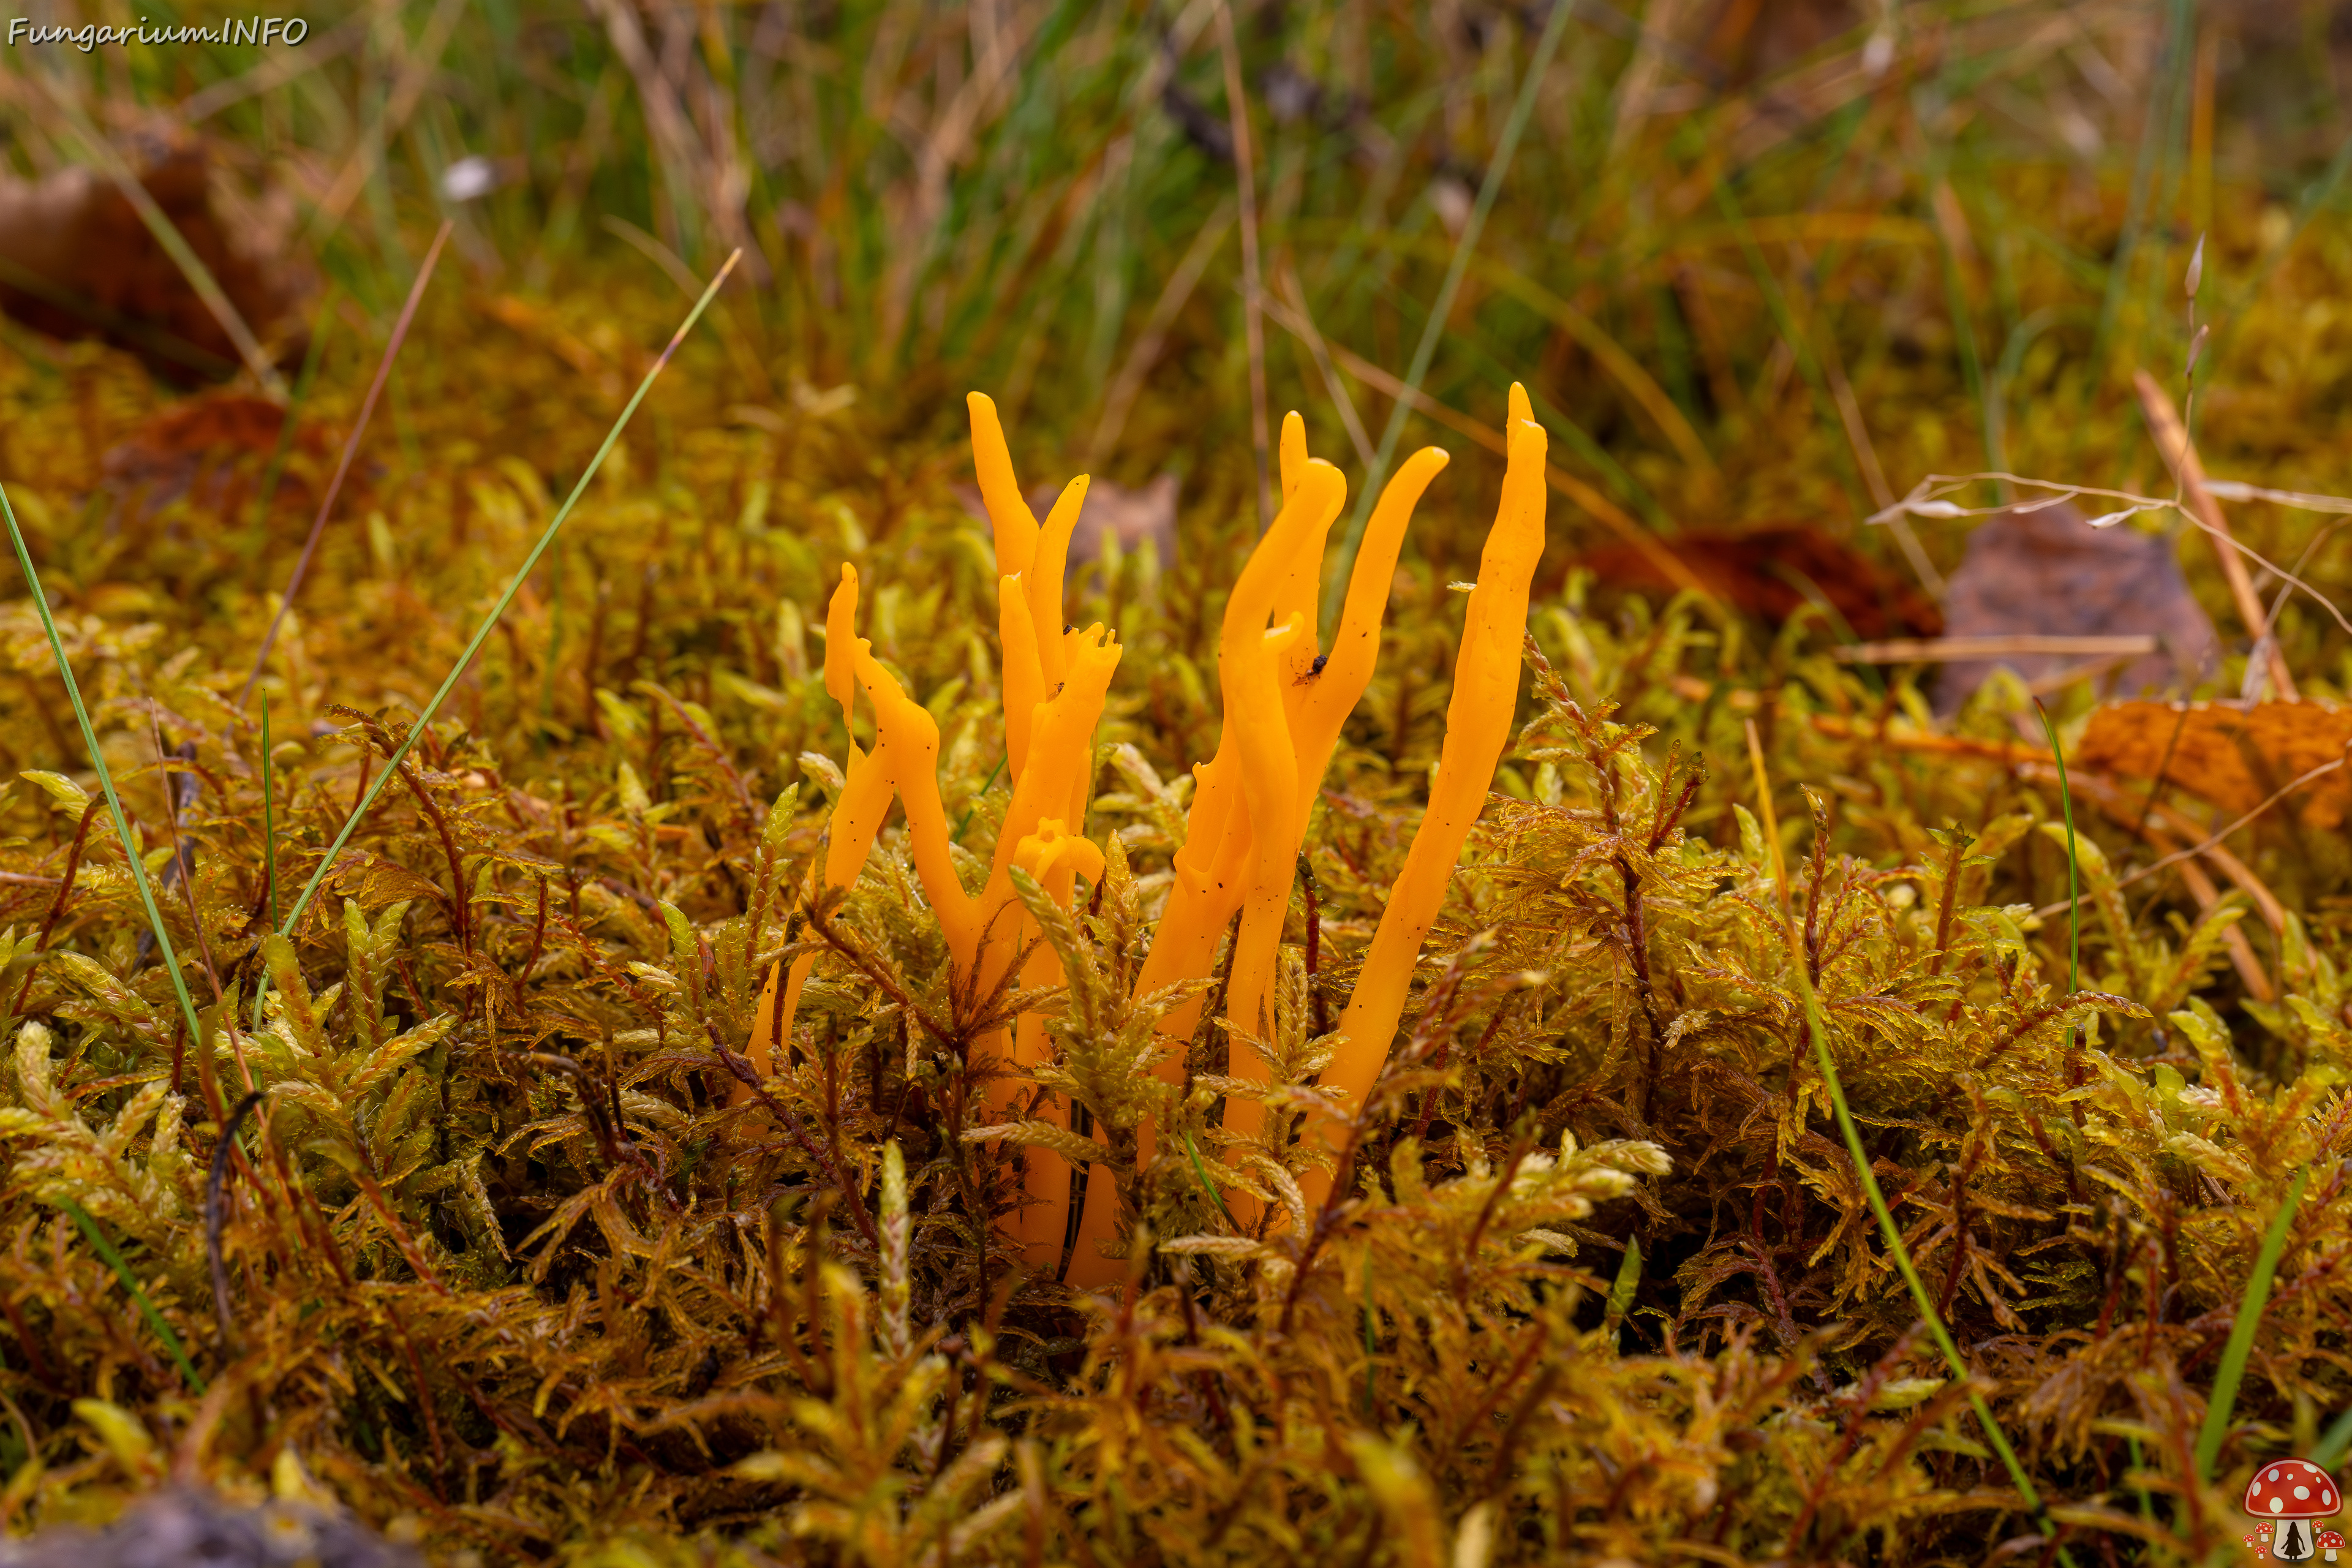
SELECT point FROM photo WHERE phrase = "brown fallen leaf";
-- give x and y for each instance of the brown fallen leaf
(76, 261)
(1147, 513)
(1766, 572)
(2047, 572)
(2235, 756)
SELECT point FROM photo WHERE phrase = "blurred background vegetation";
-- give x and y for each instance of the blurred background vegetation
(1756, 258)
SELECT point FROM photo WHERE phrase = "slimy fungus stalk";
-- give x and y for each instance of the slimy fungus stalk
(1285, 701)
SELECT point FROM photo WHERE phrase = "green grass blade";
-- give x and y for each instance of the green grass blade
(1621, 1292)
(2334, 1445)
(499, 610)
(957, 837)
(1815, 1027)
(113, 1259)
(1902, 1255)
(105, 774)
(1920, 1295)
(1792, 328)
(166, 233)
(1343, 559)
(2074, 873)
(554, 640)
(2232, 1370)
(1201, 1169)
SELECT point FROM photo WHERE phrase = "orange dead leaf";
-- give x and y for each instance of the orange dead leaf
(2235, 757)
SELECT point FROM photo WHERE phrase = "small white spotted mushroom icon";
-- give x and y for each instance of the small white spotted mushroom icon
(2288, 1494)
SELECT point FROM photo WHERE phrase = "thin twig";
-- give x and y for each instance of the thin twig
(2286, 589)
(1926, 499)
(2212, 843)
(343, 465)
(497, 611)
(216, 1186)
(2180, 449)
(1874, 475)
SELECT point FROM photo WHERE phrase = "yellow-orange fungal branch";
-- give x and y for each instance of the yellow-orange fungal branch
(1316, 701)
(1000, 492)
(1043, 577)
(1322, 705)
(1294, 454)
(1269, 793)
(1055, 857)
(1318, 695)
(1477, 727)
(1209, 888)
(1062, 746)
(1221, 865)
(1024, 680)
(1225, 855)
(840, 651)
(910, 737)
(1037, 838)
(856, 820)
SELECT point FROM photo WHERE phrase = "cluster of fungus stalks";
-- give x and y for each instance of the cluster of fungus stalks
(1284, 703)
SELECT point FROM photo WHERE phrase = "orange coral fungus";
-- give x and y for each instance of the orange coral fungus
(1284, 704)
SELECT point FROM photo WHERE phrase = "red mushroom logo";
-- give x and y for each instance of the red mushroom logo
(2331, 1542)
(2286, 1494)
